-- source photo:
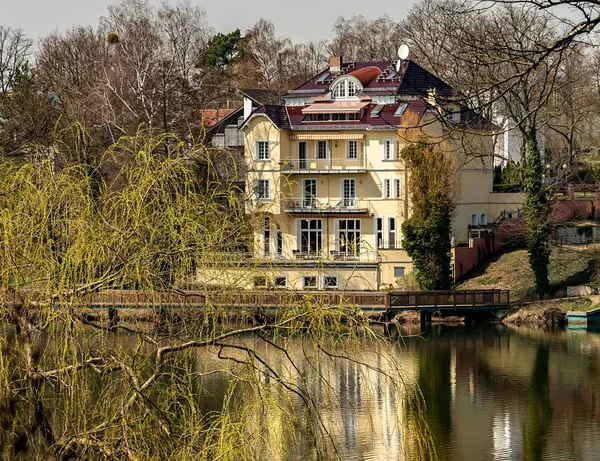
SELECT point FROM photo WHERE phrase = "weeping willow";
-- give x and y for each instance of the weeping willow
(148, 215)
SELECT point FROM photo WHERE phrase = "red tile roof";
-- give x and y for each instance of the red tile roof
(210, 117)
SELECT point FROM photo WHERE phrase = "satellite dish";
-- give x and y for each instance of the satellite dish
(403, 52)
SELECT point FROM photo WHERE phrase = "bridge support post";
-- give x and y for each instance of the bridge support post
(425, 320)
(387, 326)
(113, 317)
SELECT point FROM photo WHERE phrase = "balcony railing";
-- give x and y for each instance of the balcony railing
(326, 205)
(330, 165)
(296, 255)
(336, 255)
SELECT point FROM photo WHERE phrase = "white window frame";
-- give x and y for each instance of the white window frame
(267, 240)
(397, 188)
(350, 142)
(317, 143)
(356, 232)
(341, 88)
(379, 233)
(258, 156)
(304, 286)
(401, 109)
(351, 201)
(391, 155)
(452, 113)
(325, 286)
(386, 189)
(284, 276)
(392, 242)
(257, 188)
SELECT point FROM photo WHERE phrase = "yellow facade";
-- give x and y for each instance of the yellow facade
(331, 203)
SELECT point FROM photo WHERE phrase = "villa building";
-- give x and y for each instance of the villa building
(326, 179)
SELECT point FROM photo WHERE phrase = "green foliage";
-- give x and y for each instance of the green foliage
(222, 50)
(509, 175)
(427, 231)
(588, 174)
(536, 208)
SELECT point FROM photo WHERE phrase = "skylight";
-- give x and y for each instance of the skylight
(323, 77)
(401, 109)
(376, 110)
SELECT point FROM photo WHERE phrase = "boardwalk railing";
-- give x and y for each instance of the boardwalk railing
(447, 299)
(380, 301)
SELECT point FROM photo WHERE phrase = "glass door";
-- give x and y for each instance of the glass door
(348, 193)
(302, 156)
(309, 192)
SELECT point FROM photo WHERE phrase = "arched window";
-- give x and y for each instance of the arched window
(345, 88)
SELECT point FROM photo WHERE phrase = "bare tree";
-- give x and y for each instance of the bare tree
(15, 49)
(361, 39)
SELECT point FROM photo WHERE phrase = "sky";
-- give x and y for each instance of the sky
(299, 20)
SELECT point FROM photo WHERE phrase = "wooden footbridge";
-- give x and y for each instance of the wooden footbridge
(468, 303)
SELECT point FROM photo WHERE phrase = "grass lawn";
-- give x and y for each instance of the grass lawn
(511, 271)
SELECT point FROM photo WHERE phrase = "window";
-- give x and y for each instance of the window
(483, 219)
(321, 150)
(279, 240)
(267, 236)
(310, 235)
(302, 155)
(330, 281)
(401, 109)
(345, 88)
(349, 236)
(348, 193)
(392, 188)
(377, 109)
(397, 188)
(507, 214)
(452, 114)
(262, 189)
(262, 151)
(387, 188)
(309, 282)
(391, 232)
(398, 272)
(378, 232)
(352, 149)
(473, 219)
(280, 281)
(389, 149)
(260, 282)
(309, 192)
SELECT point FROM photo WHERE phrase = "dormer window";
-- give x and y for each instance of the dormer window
(345, 88)
(453, 113)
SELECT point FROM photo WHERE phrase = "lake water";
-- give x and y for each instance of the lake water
(491, 393)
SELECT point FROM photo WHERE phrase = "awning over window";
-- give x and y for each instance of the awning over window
(336, 107)
(324, 136)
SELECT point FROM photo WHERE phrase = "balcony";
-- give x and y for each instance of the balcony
(296, 257)
(324, 166)
(336, 256)
(327, 206)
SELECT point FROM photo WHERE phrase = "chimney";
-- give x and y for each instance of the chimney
(335, 63)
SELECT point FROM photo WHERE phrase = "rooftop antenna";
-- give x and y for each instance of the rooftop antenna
(403, 52)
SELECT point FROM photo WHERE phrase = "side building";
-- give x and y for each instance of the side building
(328, 187)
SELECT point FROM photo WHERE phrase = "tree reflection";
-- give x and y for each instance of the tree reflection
(539, 410)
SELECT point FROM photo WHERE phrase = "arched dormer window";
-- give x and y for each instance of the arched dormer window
(345, 88)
